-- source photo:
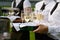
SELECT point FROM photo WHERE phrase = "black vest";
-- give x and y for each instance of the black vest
(20, 6)
(54, 8)
(14, 4)
(43, 7)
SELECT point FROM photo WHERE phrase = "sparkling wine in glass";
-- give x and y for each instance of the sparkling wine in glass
(11, 12)
(33, 16)
(27, 18)
(39, 17)
(22, 16)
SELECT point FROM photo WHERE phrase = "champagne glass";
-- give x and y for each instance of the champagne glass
(22, 16)
(11, 12)
(37, 17)
(27, 17)
(34, 18)
(40, 17)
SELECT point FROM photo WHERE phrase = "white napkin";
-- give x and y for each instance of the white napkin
(16, 26)
(22, 25)
(4, 16)
(28, 24)
(12, 18)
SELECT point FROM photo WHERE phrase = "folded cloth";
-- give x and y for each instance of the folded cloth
(12, 18)
(22, 25)
(25, 24)
(29, 24)
(16, 26)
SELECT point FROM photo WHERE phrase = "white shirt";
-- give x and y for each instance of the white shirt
(49, 6)
(54, 27)
(48, 9)
(39, 5)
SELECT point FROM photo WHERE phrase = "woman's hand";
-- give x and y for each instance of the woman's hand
(41, 29)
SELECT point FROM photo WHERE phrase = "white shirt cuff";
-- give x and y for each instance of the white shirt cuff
(53, 29)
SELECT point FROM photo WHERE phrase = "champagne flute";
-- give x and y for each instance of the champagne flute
(37, 17)
(11, 12)
(34, 18)
(27, 17)
(22, 16)
(40, 17)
